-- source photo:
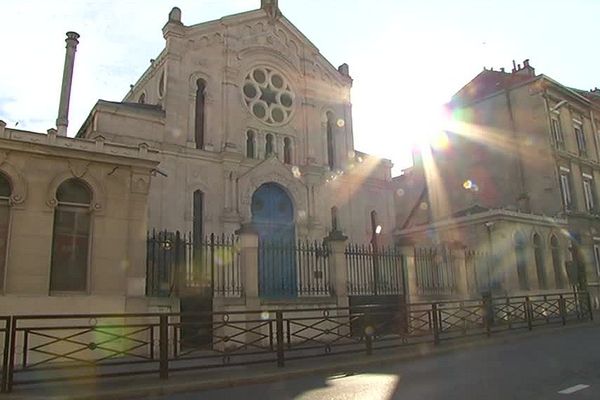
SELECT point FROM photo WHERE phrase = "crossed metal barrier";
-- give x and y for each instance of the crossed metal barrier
(56, 348)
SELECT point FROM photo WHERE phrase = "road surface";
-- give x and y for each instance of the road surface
(561, 364)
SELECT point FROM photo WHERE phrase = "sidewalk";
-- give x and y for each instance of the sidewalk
(150, 385)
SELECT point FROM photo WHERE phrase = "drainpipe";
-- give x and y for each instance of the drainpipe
(65, 93)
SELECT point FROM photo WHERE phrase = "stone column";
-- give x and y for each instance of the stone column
(410, 276)
(65, 93)
(249, 265)
(337, 267)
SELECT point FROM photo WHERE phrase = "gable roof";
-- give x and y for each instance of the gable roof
(486, 83)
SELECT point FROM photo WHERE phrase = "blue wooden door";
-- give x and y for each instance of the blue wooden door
(273, 218)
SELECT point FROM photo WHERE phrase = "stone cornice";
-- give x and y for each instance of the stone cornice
(98, 150)
(491, 215)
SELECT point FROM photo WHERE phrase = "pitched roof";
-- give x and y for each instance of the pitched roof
(486, 83)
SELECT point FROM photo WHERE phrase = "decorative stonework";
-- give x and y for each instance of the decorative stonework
(17, 182)
(98, 193)
(268, 95)
(78, 168)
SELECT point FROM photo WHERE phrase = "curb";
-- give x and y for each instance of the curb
(410, 352)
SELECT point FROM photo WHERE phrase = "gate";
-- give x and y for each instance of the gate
(376, 277)
(273, 219)
(194, 271)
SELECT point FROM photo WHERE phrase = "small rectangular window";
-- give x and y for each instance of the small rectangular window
(557, 135)
(579, 135)
(565, 189)
(588, 193)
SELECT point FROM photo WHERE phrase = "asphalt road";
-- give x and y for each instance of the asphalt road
(533, 367)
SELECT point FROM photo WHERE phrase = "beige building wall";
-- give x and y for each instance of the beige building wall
(119, 181)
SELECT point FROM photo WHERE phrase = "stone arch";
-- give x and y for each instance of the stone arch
(98, 202)
(272, 170)
(209, 91)
(18, 184)
(257, 55)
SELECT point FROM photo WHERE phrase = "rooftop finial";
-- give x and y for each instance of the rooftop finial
(175, 15)
(270, 6)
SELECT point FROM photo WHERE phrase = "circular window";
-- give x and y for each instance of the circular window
(268, 96)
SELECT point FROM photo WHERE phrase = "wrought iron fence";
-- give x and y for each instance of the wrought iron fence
(70, 348)
(175, 261)
(435, 271)
(479, 275)
(288, 269)
(374, 271)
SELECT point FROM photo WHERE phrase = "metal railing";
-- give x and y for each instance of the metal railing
(435, 270)
(61, 348)
(374, 271)
(289, 269)
(176, 262)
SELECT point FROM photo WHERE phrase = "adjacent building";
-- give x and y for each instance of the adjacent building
(514, 175)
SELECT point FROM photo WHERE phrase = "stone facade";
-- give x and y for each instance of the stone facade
(118, 178)
(258, 74)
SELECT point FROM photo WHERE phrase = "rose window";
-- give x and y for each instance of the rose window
(268, 96)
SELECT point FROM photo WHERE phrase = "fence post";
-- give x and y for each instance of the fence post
(368, 331)
(562, 309)
(589, 305)
(436, 324)
(163, 345)
(336, 243)
(12, 333)
(280, 343)
(528, 313)
(249, 265)
(5, 357)
(212, 264)
(488, 314)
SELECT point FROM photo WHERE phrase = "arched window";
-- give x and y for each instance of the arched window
(200, 111)
(5, 191)
(330, 141)
(70, 237)
(142, 98)
(268, 145)
(250, 144)
(521, 256)
(287, 150)
(556, 265)
(540, 268)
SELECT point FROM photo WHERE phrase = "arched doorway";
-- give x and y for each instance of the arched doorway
(273, 219)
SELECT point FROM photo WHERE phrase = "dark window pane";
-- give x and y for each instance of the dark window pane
(4, 186)
(70, 249)
(73, 191)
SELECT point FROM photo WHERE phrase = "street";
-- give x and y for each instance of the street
(532, 367)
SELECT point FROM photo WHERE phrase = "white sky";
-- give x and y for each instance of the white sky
(406, 57)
